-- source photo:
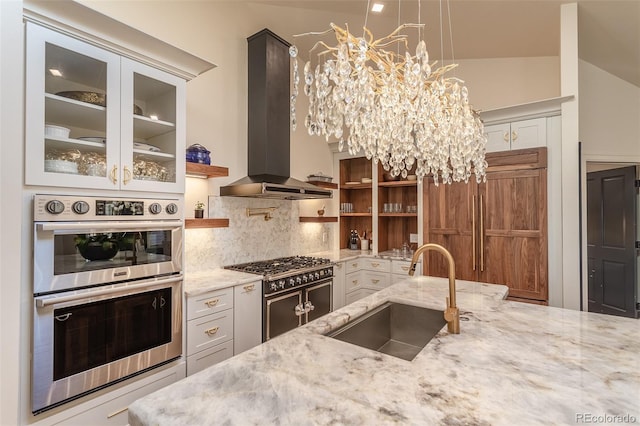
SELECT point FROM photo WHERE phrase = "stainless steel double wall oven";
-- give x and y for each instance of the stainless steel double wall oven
(107, 292)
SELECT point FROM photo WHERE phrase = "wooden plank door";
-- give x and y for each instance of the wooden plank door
(513, 232)
(611, 236)
(450, 212)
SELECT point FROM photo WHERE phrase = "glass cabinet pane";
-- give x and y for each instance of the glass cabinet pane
(154, 130)
(75, 113)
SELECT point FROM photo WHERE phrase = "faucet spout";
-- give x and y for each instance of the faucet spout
(451, 314)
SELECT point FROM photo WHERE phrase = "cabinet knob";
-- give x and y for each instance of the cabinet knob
(505, 136)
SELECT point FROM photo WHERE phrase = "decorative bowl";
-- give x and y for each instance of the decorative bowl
(388, 178)
(93, 98)
(97, 247)
(56, 131)
(411, 177)
(197, 153)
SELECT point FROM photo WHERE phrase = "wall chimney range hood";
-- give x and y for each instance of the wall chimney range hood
(268, 130)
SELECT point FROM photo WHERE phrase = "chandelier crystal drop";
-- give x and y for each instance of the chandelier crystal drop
(396, 109)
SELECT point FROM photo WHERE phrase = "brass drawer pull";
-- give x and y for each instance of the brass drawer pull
(249, 287)
(212, 303)
(355, 282)
(210, 332)
(355, 265)
(375, 264)
(375, 281)
(404, 268)
(115, 413)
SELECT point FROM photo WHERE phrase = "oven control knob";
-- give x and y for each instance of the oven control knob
(172, 208)
(273, 287)
(298, 280)
(304, 279)
(329, 271)
(310, 276)
(317, 275)
(292, 282)
(54, 207)
(281, 284)
(80, 207)
(155, 208)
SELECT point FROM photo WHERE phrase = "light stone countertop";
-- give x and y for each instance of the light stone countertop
(512, 364)
(203, 281)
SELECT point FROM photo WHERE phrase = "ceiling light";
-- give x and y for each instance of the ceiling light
(55, 72)
(391, 105)
(377, 7)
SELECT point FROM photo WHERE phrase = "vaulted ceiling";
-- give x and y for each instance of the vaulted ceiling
(609, 30)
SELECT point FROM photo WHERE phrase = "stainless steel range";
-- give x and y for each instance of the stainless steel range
(295, 290)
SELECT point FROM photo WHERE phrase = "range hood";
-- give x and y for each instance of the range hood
(268, 130)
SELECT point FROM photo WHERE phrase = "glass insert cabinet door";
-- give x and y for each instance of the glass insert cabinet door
(98, 120)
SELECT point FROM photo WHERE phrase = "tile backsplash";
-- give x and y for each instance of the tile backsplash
(252, 238)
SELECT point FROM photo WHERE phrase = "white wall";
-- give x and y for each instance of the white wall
(609, 116)
(11, 249)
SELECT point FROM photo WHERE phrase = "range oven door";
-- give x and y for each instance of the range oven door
(318, 300)
(70, 255)
(281, 314)
(86, 339)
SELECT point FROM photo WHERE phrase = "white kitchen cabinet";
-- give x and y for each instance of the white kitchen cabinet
(358, 294)
(516, 135)
(338, 285)
(364, 276)
(112, 408)
(210, 328)
(400, 270)
(247, 316)
(125, 120)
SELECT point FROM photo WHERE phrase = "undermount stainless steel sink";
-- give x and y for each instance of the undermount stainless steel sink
(394, 329)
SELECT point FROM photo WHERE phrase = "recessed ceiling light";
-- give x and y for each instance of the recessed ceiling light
(55, 72)
(377, 7)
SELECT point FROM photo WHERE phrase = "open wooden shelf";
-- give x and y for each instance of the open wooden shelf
(206, 223)
(356, 214)
(395, 183)
(206, 170)
(356, 186)
(398, 215)
(318, 219)
(327, 185)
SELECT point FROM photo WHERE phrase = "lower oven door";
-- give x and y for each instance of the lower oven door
(281, 314)
(87, 339)
(318, 300)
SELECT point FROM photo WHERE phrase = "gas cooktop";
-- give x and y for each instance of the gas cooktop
(281, 265)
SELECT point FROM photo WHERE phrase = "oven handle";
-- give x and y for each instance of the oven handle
(41, 302)
(91, 226)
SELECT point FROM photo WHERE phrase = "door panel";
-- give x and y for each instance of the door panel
(611, 235)
(449, 221)
(514, 232)
(281, 315)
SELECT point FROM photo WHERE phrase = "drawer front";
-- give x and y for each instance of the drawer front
(209, 357)
(358, 294)
(402, 267)
(353, 265)
(352, 281)
(209, 303)
(375, 280)
(381, 265)
(206, 332)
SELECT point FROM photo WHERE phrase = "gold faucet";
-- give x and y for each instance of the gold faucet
(451, 314)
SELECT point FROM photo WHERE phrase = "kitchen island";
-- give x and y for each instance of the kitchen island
(513, 363)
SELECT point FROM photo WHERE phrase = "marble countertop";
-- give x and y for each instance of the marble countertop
(513, 363)
(203, 281)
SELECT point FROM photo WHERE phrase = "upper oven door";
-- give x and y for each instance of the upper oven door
(71, 255)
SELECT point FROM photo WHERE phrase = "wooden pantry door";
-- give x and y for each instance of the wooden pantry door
(513, 232)
(450, 217)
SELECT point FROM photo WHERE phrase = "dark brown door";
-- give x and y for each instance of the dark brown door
(450, 217)
(611, 236)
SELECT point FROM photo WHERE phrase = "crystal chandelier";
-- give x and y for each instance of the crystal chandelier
(397, 109)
